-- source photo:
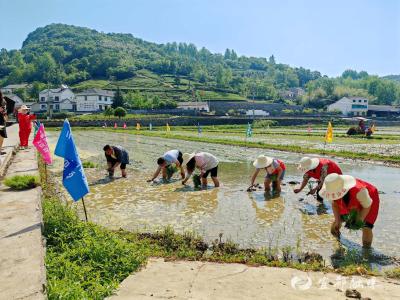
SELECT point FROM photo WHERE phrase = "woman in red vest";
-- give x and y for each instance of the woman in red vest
(348, 193)
(317, 168)
(275, 169)
(25, 126)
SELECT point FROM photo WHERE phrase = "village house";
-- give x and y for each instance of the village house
(9, 89)
(383, 111)
(292, 93)
(350, 106)
(197, 106)
(60, 99)
(93, 100)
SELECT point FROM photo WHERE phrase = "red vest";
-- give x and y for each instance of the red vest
(355, 204)
(25, 121)
(281, 164)
(332, 168)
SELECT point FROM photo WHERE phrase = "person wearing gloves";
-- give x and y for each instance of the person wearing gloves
(317, 168)
(348, 193)
(275, 170)
(170, 157)
(205, 162)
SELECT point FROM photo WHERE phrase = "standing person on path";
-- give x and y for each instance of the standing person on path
(116, 157)
(275, 169)
(317, 168)
(25, 125)
(3, 122)
(206, 162)
(348, 193)
(168, 159)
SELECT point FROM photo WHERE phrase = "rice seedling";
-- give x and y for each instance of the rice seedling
(22, 182)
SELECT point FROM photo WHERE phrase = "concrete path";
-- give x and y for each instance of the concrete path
(203, 281)
(22, 269)
(9, 145)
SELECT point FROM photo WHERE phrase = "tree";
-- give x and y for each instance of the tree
(109, 112)
(118, 99)
(227, 54)
(272, 60)
(120, 112)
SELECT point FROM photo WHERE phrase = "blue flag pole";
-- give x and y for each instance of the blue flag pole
(84, 208)
(74, 179)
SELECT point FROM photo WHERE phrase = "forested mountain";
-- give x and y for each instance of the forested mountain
(82, 57)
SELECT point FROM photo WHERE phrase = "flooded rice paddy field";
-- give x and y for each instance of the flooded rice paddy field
(249, 219)
(371, 146)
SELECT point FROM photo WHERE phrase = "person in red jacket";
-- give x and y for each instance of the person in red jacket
(275, 169)
(317, 168)
(25, 125)
(348, 193)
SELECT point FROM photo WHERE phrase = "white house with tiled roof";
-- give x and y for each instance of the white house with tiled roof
(350, 106)
(93, 100)
(60, 99)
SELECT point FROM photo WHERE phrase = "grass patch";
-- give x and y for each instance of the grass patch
(22, 182)
(89, 165)
(393, 273)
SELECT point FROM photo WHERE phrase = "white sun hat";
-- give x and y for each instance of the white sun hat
(306, 164)
(262, 162)
(23, 107)
(336, 186)
(186, 157)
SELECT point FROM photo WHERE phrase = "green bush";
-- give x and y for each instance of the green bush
(63, 115)
(22, 182)
(264, 123)
(120, 112)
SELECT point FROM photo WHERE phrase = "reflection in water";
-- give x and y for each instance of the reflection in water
(249, 219)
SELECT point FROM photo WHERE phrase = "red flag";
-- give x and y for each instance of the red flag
(115, 125)
(124, 125)
(40, 142)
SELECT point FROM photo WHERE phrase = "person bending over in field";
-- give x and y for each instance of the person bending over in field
(170, 158)
(275, 169)
(116, 157)
(205, 162)
(350, 195)
(317, 168)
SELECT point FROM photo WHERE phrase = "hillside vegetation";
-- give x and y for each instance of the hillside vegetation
(84, 58)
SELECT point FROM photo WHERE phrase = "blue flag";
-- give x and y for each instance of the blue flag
(150, 126)
(74, 179)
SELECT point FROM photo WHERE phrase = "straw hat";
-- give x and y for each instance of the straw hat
(336, 186)
(186, 157)
(262, 162)
(23, 107)
(306, 164)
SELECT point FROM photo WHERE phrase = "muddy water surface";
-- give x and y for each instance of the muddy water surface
(250, 219)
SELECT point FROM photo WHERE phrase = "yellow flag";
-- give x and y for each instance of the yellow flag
(137, 126)
(329, 133)
(168, 128)
(373, 128)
